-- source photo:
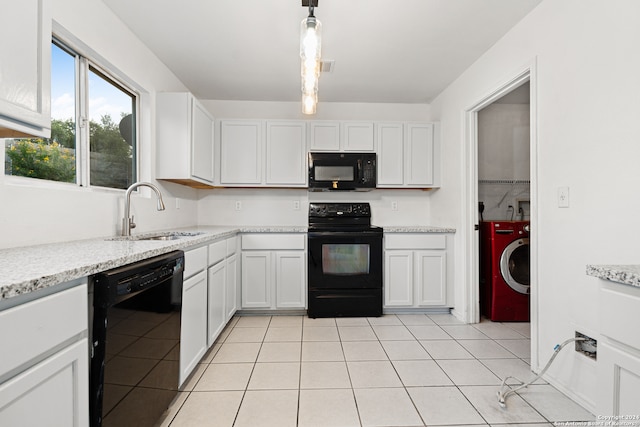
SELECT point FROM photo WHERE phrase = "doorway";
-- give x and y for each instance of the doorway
(470, 229)
(504, 207)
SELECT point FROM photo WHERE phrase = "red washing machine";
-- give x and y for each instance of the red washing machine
(504, 270)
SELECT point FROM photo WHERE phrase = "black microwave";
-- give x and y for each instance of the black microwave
(342, 171)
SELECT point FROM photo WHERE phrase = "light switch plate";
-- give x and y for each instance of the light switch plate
(563, 197)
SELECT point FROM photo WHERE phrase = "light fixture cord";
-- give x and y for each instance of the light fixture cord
(311, 10)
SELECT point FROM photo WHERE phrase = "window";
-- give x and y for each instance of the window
(100, 149)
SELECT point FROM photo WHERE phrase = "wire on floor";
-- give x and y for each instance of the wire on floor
(502, 394)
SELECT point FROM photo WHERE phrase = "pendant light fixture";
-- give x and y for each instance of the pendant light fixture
(310, 52)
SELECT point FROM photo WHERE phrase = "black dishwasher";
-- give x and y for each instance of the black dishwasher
(135, 341)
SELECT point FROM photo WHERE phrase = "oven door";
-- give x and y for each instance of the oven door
(345, 260)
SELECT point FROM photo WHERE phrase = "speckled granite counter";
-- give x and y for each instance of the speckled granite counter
(417, 229)
(28, 269)
(625, 274)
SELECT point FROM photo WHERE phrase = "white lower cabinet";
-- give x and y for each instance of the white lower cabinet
(222, 285)
(217, 318)
(193, 330)
(619, 353)
(619, 381)
(415, 273)
(209, 299)
(55, 392)
(290, 276)
(257, 279)
(44, 367)
(274, 270)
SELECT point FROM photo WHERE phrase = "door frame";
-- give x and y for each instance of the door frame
(470, 202)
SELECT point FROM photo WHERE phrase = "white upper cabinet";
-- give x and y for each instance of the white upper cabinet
(341, 136)
(420, 155)
(184, 136)
(286, 154)
(357, 136)
(256, 153)
(390, 154)
(324, 136)
(408, 155)
(241, 152)
(25, 70)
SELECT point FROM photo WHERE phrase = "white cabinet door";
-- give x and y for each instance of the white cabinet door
(231, 287)
(357, 136)
(25, 69)
(618, 381)
(55, 392)
(430, 277)
(217, 318)
(398, 271)
(291, 279)
(419, 161)
(286, 154)
(257, 280)
(202, 143)
(184, 140)
(193, 330)
(390, 154)
(240, 152)
(324, 136)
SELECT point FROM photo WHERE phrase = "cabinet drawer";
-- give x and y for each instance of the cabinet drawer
(415, 241)
(195, 260)
(33, 328)
(217, 252)
(616, 299)
(271, 241)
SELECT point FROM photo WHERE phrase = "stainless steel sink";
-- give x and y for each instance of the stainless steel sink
(168, 237)
(165, 235)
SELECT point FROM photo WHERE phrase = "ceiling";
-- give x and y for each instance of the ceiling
(395, 51)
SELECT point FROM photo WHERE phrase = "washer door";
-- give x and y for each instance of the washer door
(514, 265)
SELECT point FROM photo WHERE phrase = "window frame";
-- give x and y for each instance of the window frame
(85, 60)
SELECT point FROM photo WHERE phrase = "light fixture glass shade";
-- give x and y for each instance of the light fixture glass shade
(310, 51)
(310, 38)
(309, 101)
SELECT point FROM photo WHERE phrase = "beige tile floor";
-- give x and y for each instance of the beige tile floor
(395, 370)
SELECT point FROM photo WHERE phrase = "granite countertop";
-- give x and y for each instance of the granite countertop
(624, 274)
(31, 268)
(27, 269)
(417, 229)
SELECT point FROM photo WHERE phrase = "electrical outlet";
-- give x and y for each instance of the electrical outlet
(563, 197)
(296, 205)
(394, 206)
(588, 347)
(178, 202)
(238, 205)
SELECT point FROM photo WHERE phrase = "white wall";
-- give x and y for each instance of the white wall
(503, 155)
(34, 212)
(275, 207)
(503, 142)
(588, 139)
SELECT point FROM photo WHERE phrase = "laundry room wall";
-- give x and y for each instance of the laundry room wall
(583, 55)
(503, 160)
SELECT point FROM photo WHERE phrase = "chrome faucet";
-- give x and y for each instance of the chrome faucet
(127, 221)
